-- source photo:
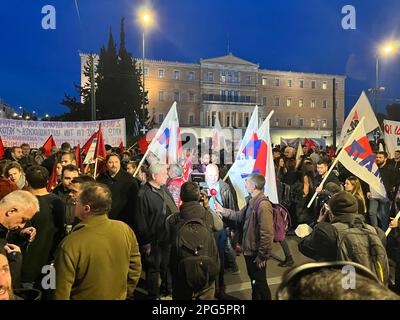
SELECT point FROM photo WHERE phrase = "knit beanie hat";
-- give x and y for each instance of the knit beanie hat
(343, 202)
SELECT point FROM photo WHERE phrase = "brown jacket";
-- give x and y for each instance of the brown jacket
(258, 227)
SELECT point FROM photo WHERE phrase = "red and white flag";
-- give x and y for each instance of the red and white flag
(362, 108)
(357, 157)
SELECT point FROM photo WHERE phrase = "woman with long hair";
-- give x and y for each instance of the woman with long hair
(353, 185)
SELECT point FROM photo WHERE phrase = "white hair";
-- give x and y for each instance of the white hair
(21, 198)
(155, 168)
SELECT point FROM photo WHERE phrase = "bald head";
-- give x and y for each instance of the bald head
(17, 208)
(212, 173)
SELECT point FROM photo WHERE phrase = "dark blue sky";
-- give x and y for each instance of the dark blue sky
(37, 66)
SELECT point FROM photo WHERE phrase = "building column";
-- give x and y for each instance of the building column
(230, 118)
(243, 117)
(210, 118)
(224, 119)
(237, 120)
(216, 116)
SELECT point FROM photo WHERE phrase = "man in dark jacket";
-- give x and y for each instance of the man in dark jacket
(322, 169)
(124, 189)
(154, 204)
(322, 244)
(190, 209)
(258, 234)
(27, 160)
(379, 207)
(225, 197)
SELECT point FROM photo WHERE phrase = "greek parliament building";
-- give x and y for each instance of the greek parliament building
(229, 87)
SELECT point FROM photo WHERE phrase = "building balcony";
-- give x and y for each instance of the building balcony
(228, 99)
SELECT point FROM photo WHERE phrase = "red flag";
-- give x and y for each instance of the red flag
(309, 143)
(53, 178)
(331, 152)
(1, 149)
(88, 143)
(121, 147)
(48, 145)
(143, 144)
(78, 157)
(100, 151)
(186, 167)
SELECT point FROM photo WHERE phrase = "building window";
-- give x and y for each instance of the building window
(160, 118)
(324, 104)
(210, 76)
(289, 122)
(177, 74)
(337, 104)
(301, 103)
(177, 96)
(313, 103)
(301, 123)
(161, 96)
(191, 96)
(313, 84)
(276, 101)
(312, 123)
(264, 81)
(277, 82)
(289, 83)
(191, 75)
(276, 122)
(324, 85)
(247, 98)
(191, 119)
(248, 80)
(324, 123)
(288, 102)
(146, 72)
(264, 100)
(161, 73)
(301, 83)
(337, 85)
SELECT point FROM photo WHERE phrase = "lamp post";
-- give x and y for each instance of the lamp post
(385, 50)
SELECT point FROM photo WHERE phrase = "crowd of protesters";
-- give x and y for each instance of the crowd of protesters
(102, 234)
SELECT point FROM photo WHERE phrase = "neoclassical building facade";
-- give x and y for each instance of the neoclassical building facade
(229, 87)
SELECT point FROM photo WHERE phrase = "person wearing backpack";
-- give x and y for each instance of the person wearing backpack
(347, 237)
(194, 255)
(258, 234)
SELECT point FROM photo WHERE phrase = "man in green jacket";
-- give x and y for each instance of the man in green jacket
(99, 259)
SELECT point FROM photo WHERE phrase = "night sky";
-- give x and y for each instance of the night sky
(37, 66)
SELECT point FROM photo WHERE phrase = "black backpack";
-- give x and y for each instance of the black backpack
(361, 244)
(197, 254)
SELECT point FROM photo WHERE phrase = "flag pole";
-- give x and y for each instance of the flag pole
(333, 164)
(268, 117)
(95, 168)
(390, 229)
(145, 155)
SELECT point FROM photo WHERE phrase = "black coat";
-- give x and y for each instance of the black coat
(150, 216)
(321, 244)
(390, 179)
(124, 190)
(14, 260)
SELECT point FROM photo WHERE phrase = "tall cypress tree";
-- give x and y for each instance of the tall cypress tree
(119, 88)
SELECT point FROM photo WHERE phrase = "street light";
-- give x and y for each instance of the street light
(384, 51)
(146, 20)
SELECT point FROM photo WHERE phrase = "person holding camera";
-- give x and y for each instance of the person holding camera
(194, 213)
(341, 234)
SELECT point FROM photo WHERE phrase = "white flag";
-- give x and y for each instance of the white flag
(217, 139)
(245, 160)
(362, 108)
(265, 161)
(357, 156)
(167, 144)
(391, 136)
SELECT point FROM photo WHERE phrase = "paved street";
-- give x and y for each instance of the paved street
(239, 287)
